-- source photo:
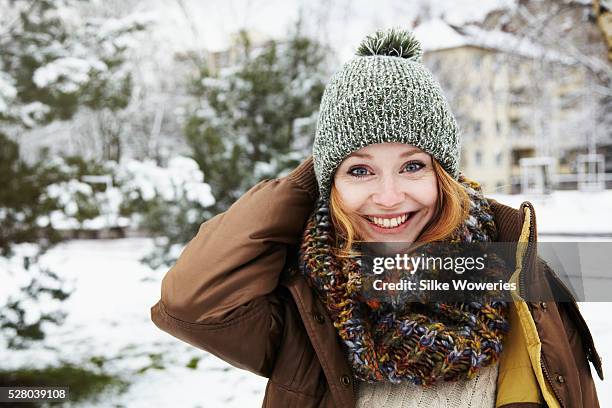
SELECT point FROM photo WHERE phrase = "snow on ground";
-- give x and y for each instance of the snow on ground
(568, 212)
(109, 317)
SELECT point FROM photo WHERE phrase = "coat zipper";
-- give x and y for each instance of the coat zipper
(528, 252)
(530, 242)
(547, 376)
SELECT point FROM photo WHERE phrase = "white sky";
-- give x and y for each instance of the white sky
(341, 23)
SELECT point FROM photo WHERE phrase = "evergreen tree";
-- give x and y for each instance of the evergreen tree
(255, 119)
(22, 202)
(52, 63)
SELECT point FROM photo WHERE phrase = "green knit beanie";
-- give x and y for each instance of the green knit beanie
(384, 94)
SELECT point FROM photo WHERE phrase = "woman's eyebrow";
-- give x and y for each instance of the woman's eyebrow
(404, 154)
(362, 155)
(411, 152)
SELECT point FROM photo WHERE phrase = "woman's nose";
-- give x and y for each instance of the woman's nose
(388, 193)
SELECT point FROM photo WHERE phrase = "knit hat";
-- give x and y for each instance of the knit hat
(384, 94)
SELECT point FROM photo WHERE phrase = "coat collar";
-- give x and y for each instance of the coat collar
(510, 221)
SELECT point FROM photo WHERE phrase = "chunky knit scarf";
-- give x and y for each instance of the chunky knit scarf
(416, 342)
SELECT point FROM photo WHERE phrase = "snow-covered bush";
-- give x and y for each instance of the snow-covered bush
(130, 194)
(31, 296)
(142, 183)
(170, 203)
(76, 204)
(35, 291)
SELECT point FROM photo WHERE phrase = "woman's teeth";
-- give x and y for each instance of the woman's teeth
(389, 222)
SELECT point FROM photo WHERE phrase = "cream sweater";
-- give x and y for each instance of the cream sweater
(478, 392)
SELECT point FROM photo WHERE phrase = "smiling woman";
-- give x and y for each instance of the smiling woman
(390, 187)
(273, 284)
(393, 192)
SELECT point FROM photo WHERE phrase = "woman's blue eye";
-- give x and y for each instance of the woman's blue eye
(358, 172)
(413, 167)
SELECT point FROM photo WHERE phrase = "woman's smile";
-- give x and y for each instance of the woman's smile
(389, 223)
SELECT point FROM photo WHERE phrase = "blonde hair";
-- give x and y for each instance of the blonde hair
(452, 208)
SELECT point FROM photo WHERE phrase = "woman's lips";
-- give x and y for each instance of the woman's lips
(390, 230)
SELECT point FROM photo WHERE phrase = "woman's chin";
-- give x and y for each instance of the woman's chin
(394, 238)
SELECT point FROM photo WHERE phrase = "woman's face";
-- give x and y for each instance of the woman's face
(391, 187)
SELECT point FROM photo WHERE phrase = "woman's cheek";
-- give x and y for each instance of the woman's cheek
(357, 199)
(352, 195)
(423, 191)
(431, 194)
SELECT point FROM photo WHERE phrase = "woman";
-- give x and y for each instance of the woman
(271, 285)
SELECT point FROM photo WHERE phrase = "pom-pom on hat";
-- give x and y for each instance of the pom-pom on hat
(384, 94)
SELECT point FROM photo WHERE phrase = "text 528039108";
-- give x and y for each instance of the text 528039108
(33, 394)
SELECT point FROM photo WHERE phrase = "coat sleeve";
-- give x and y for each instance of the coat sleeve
(221, 296)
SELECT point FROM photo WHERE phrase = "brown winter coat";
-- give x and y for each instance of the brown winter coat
(235, 292)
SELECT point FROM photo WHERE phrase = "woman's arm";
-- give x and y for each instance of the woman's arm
(219, 296)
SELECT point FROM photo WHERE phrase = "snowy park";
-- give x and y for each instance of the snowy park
(126, 124)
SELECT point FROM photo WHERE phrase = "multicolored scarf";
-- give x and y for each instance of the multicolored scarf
(418, 342)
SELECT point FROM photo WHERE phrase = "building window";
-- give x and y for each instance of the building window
(435, 64)
(498, 127)
(496, 65)
(518, 154)
(476, 93)
(499, 157)
(569, 101)
(477, 126)
(519, 95)
(478, 158)
(518, 128)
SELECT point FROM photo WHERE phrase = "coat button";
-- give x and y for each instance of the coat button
(543, 305)
(345, 380)
(560, 379)
(319, 318)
